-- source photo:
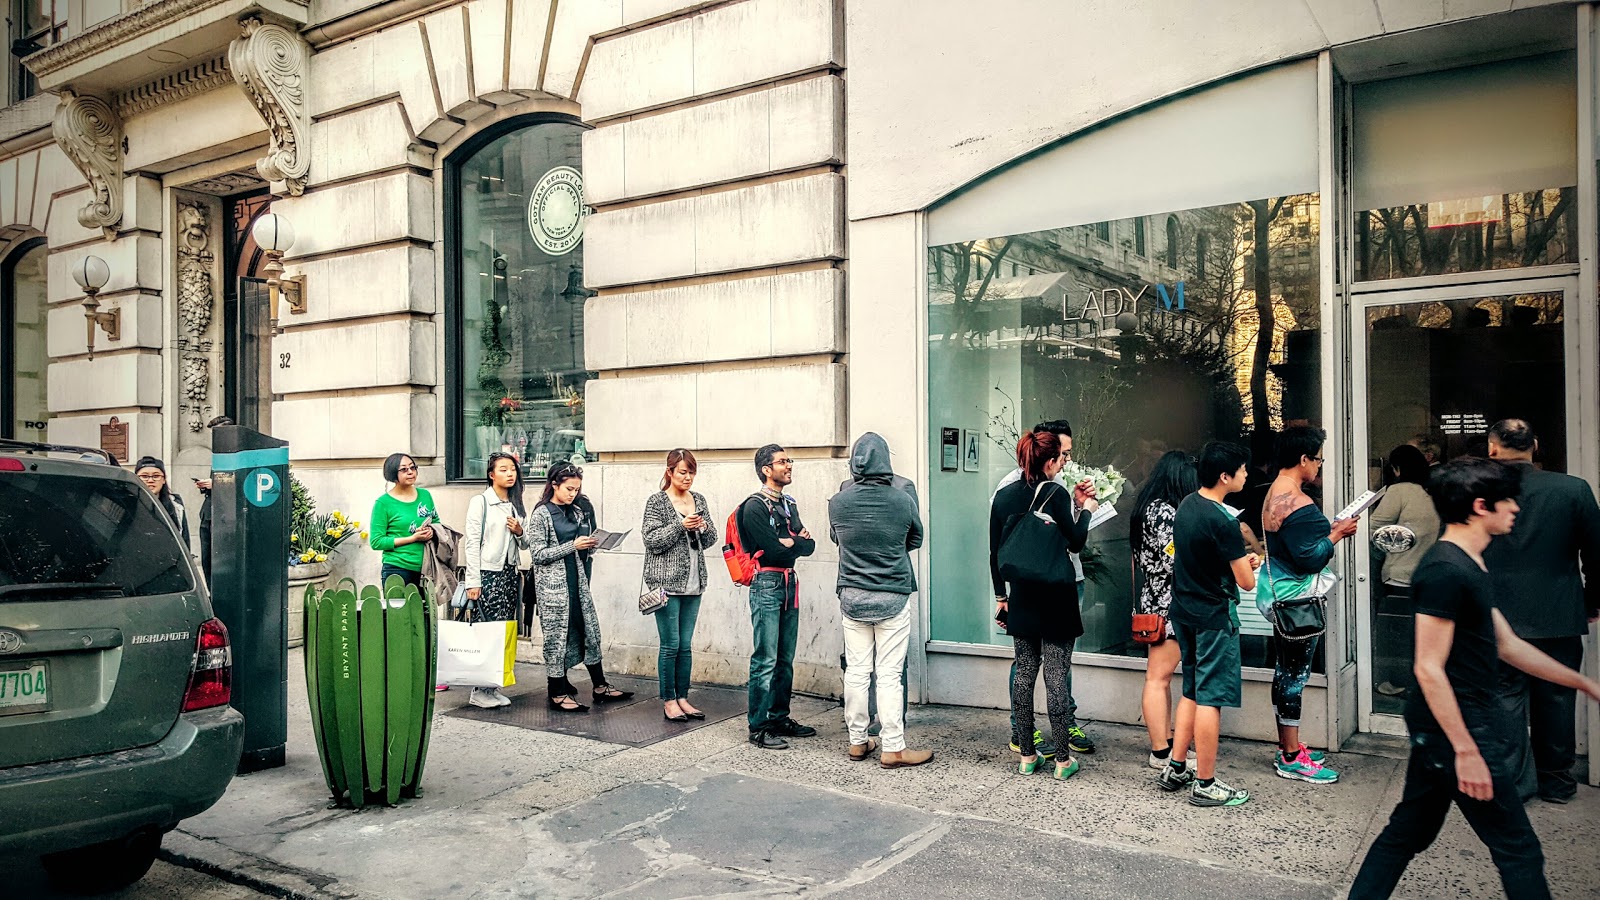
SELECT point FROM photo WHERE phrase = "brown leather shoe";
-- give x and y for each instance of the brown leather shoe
(891, 760)
(858, 752)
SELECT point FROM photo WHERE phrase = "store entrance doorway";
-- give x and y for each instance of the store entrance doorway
(1433, 368)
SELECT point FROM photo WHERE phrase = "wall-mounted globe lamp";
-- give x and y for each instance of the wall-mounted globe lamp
(91, 273)
(274, 235)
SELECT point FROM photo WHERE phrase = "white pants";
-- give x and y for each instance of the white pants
(889, 639)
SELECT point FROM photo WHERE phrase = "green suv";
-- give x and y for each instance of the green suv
(114, 675)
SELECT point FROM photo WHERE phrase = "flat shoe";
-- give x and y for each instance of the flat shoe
(697, 714)
(612, 695)
(904, 759)
(575, 708)
(677, 718)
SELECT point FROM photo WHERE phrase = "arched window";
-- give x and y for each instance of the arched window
(1172, 242)
(23, 358)
(514, 297)
(1202, 248)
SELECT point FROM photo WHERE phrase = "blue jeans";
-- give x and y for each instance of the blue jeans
(775, 623)
(1072, 704)
(406, 575)
(675, 627)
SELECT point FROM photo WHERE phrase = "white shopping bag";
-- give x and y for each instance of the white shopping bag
(477, 654)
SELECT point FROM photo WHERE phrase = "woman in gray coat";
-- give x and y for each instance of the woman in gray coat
(677, 533)
(559, 532)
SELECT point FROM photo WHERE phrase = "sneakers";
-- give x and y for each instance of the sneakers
(890, 759)
(1065, 770)
(1078, 742)
(486, 698)
(1024, 767)
(1172, 779)
(1216, 794)
(1160, 762)
(1044, 748)
(1317, 756)
(791, 728)
(766, 740)
(1303, 768)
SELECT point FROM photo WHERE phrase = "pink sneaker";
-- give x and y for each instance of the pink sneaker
(440, 688)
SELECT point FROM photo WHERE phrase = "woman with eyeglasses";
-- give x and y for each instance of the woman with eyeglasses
(1299, 541)
(1175, 477)
(152, 473)
(560, 533)
(677, 533)
(492, 543)
(401, 521)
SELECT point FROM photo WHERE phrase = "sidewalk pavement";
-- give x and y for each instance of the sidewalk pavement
(509, 812)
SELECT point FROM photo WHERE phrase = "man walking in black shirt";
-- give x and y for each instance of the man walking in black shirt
(1461, 736)
(1548, 602)
(769, 525)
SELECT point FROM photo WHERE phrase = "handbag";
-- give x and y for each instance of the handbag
(1034, 549)
(1149, 628)
(1297, 618)
(651, 601)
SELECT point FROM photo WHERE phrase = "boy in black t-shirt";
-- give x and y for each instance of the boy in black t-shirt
(1460, 736)
(1210, 566)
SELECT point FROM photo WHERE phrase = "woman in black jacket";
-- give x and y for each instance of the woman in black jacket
(1042, 618)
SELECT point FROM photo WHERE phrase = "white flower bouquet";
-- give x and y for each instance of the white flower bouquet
(1108, 482)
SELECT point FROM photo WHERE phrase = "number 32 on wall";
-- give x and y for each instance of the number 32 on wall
(283, 360)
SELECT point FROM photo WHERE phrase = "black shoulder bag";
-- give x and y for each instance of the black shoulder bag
(1034, 549)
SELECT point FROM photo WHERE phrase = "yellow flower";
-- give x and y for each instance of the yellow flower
(305, 557)
(338, 516)
(295, 538)
(322, 557)
(363, 535)
(331, 533)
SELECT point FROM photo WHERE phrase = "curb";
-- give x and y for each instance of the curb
(261, 875)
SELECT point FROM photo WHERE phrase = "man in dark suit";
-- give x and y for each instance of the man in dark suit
(1548, 603)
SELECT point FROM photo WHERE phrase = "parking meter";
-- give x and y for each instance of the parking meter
(250, 512)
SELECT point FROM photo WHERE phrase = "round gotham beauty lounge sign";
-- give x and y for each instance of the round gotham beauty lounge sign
(556, 211)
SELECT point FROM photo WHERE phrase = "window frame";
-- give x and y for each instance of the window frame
(454, 452)
(8, 333)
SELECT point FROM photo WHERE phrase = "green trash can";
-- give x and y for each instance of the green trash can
(370, 664)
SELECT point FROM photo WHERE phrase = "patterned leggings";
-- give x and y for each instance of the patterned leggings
(1289, 675)
(1057, 662)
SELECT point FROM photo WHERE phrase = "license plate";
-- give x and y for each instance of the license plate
(24, 689)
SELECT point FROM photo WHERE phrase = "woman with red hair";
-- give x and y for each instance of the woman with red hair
(1042, 617)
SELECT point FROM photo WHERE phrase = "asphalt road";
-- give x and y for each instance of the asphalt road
(165, 881)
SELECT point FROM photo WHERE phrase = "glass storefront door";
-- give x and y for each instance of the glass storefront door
(1432, 370)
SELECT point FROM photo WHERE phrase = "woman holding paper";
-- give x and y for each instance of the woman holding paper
(560, 533)
(493, 537)
(677, 533)
(1300, 543)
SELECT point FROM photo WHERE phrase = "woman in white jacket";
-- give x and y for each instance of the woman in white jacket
(491, 543)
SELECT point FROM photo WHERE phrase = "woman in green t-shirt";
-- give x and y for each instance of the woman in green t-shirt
(402, 521)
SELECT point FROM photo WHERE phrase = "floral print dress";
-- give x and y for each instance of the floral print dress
(1155, 559)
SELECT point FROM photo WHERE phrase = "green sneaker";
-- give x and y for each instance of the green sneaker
(1217, 794)
(1065, 770)
(1044, 748)
(1174, 779)
(1078, 742)
(1303, 768)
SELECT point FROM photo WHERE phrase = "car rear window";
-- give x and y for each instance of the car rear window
(103, 535)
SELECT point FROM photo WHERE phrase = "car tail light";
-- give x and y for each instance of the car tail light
(11, 464)
(211, 676)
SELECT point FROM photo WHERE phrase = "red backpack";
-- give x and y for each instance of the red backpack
(742, 566)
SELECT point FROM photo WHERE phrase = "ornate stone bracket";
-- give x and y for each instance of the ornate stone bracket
(271, 62)
(89, 131)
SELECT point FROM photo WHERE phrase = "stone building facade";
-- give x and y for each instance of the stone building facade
(608, 228)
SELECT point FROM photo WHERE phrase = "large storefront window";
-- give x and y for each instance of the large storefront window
(22, 324)
(1213, 333)
(516, 364)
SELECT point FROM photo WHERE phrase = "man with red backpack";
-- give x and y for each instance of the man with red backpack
(770, 530)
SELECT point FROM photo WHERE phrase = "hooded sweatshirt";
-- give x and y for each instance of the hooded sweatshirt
(876, 525)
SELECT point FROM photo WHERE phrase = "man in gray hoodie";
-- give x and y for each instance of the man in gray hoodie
(876, 524)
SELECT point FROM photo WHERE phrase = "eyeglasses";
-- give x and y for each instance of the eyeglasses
(407, 469)
(1315, 459)
(782, 462)
(154, 476)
